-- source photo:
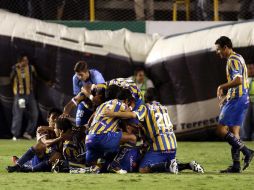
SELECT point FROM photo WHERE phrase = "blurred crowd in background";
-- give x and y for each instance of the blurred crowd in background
(129, 9)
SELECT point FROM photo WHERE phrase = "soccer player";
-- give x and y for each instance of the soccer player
(36, 158)
(234, 104)
(84, 76)
(98, 98)
(104, 135)
(159, 130)
(129, 155)
(123, 83)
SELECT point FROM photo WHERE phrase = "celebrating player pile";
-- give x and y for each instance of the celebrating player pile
(117, 132)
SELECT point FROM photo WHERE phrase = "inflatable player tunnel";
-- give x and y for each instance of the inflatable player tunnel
(184, 68)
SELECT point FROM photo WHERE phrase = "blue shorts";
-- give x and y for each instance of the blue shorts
(233, 112)
(83, 114)
(155, 157)
(97, 145)
(128, 159)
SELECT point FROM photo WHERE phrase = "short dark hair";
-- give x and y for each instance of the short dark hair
(224, 41)
(81, 66)
(63, 124)
(125, 94)
(54, 111)
(101, 92)
(138, 69)
(112, 92)
(21, 56)
(150, 95)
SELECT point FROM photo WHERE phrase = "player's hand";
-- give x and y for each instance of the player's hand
(86, 89)
(41, 129)
(219, 92)
(222, 101)
(108, 113)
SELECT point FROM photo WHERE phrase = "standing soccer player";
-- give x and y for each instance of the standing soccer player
(234, 104)
(84, 76)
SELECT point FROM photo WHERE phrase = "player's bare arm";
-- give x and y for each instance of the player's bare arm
(234, 83)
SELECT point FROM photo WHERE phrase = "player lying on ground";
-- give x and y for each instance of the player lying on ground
(40, 156)
(234, 106)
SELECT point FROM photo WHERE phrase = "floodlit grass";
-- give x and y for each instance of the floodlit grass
(212, 155)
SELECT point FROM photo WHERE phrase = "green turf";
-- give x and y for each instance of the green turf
(213, 156)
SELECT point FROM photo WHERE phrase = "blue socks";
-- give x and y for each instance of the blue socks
(160, 167)
(236, 143)
(235, 153)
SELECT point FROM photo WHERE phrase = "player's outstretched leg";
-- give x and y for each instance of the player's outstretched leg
(193, 165)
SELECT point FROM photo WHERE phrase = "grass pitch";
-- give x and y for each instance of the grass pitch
(212, 155)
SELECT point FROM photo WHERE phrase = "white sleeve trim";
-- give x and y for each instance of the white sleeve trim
(73, 100)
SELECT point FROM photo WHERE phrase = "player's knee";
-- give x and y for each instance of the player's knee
(54, 157)
(144, 170)
(221, 131)
(39, 148)
(236, 131)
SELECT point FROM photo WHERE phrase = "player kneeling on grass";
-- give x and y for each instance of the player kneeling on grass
(74, 148)
(129, 155)
(104, 136)
(39, 157)
(159, 130)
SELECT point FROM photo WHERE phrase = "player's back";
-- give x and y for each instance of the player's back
(159, 127)
(102, 124)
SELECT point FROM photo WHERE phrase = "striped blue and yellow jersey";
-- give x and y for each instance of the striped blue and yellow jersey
(236, 67)
(23, 79)
(127, 84)
(101, 124)
(158, 126)
(71, 150)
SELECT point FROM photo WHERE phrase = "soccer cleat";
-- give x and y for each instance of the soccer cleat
(86, 170)
(231, 169)
(173, 168)
(196, 167)
(60, 166)
(116, 170)
(79, 170)
(14, 159)
(248, 159)
(11, 169)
